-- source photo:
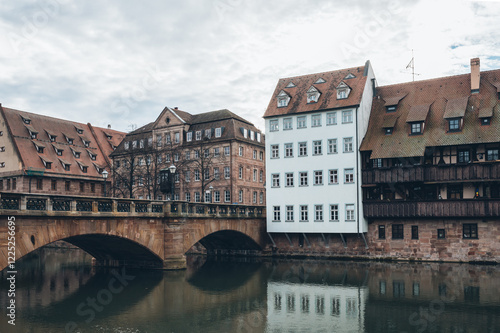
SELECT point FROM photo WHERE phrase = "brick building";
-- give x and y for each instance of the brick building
(431, 168)
(219, 157)
(41, 154)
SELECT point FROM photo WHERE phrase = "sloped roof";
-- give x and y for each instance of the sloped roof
(455, 108)
(437, 93)
(328, 98)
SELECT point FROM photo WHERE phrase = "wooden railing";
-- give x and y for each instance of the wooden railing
(433, 173)
(472, 208)
(51, 205)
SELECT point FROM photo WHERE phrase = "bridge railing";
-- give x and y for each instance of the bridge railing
(46, 204)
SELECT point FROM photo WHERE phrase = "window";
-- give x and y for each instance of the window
(304, 213)
(218, 132)
(342, 93)
(275, 153)
(441, 234)
(470, 230)
(198, 135)
(216, 152)
(240, 151)
(289, 179)
(397, 231)
(216, 173)
(216, 196)
(53, 185)
(377, 163)
(316, 120)
(208, 133)
(485, 121)
(463, 156)
(348, 176)
(381, 232)
(414, 232)
(317, 148)
(302, 148)
(318, 213)
(240, 196)
(261, 155)
(334, 212)
(168, 138)
(288, 150)
(227, 151)
(333, 177)
(347, 117)
(188, 156)
(312, 95)
(332, 146)
(254, 196)
(206, 174)
(349, 212)
(208, 197)
(318, 177)
(492, 154)
(226, 172)
(331, 118)
(187, 176)
(196, 196)
(227, 196)
(254, 175)
(196, 175)
(39, 184)
(303, 178)
(188, 196)
(82, 186)
(388, 130)
(454, 125)
(301, 122)
(416, 128)
(276, 213)
(289, 213)
(390, 108)
(273, 125)
(261, 197)
(287, 124)
(275, 180)
(67, 186)
(206, 153)
(348, 145)
(189, 137)
(455, 191)
(261, 176)
(255, 154)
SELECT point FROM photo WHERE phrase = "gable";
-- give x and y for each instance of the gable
(168, 117)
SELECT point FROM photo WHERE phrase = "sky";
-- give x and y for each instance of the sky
(120, 62)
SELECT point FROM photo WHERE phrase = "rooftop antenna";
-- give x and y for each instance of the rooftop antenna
(412, 66)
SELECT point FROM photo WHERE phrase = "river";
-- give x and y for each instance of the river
(58, 290)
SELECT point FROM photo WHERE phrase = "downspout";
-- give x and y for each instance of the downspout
(357, 173)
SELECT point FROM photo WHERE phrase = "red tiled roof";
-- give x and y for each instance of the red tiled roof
(418, 113)
(455, 108)
(328, 98)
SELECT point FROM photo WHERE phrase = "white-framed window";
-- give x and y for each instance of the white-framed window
(334, 213)
(333, 177)
(177, 137)
(240, 151)
(198, 135)
(287, 124)
(254, 196)
(416, 128)
(207, 197)
(289, 179)
(216, 173)
(303, 178)
(301, 122)
(302, 148)
(227, 174)
(240, 172)
(240, 196)
(227, 151)
(188, 155)
(275, 180)
(317, 147)
(168, 139)
(348, 145)
(189, 136)
(141, 143)
(346, 116)
(274, 125)
(196, 154)
(331, 118)
(188, 196)
(348, 176)
(227, 196)
(197, 175)
(134, 144)
(206, 153)
(208, 133)
(261, 197)
(304, 216)
(289, 213)
(197, 197)
(288, 149)
(176, 157)
(316, 120)
(255, 154)
(187, 176)
(261, 176)
(206, 174)
(216, 152)
(350, 212)
(276, 213)
(126, 145)
(318, 177)
(261, 155)
(218, 132)
(312, 95)
(332, 146)
(254, 175)
(167, 157)
(318, 213)
(216, 196)
(275, 151)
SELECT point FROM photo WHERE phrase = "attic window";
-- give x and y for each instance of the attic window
(320, 80)
(391, 108)
(66, 166)
(349, 76)
(108, 136)
(79, 130)
(283, 99)
(126, 145)
(198, 135)
(86, 143)
(26, 120)
(92, 156)
(388, 131)
(417, 128)
(343, 91)
(485, 121)
(313, 95)
(218, 132)
(39, 148)
(70, 140)
(58, 151)
(454, 125)
(76, 153)
(208, 133)
(290, 85)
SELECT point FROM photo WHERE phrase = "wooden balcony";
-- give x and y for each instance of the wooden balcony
(477, 208)
(433, 173)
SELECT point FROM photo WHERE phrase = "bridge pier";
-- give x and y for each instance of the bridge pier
(175, 263)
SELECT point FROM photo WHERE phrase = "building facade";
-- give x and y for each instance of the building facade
(314, 127)
(218, 157)
(431, 168)
(41, 154)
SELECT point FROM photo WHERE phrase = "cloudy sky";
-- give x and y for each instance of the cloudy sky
(120, 62)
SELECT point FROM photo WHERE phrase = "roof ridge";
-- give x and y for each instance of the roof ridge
(335, 70)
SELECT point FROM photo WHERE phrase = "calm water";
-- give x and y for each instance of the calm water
(58, 291)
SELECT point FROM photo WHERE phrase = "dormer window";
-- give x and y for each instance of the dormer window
(33, 133)
(218, 132)
(208, 133)
(343, 91)
(92, 155)
(388, 131)
(46, 164)
(66, 166)
(198, 135)
(417, 128)
(39, 148)
(313, 95)
(58, 151)
(485, 121)
(290, 85)
(126, 145)
(319, 81)
(283, 99)
(26, 120)
(108, 136)
(70, 140)
(83, 167)
(76, 153)
(79, 130)
(454, 125)
(390, 108)
(349, 76)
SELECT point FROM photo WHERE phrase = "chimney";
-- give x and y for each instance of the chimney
(109, 126)
(176, 108)
(474, 76)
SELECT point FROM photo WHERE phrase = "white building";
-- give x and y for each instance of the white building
(314, 126)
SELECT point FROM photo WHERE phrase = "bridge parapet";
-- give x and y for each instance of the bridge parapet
(57, 205)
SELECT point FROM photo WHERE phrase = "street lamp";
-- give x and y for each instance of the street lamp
(172, 169)
(210, 188)
(105, 176)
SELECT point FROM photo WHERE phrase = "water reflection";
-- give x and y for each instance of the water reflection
(251, 295)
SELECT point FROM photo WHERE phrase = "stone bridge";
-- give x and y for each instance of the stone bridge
(139, 233)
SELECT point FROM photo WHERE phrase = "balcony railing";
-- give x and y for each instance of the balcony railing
(433, 173)
(477, 208)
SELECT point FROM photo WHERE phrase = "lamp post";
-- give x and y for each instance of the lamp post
(172, 173)
(210, 188)
(105, 176)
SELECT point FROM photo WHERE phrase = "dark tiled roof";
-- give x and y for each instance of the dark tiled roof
(328, 98)
(455, 108)
(437, 93)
